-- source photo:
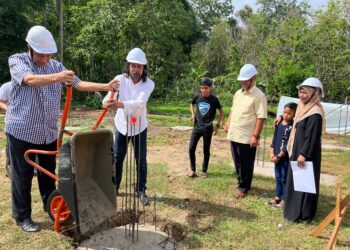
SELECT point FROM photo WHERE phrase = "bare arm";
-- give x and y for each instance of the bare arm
(93, 86)
(3, 105)
(221, 118)
(192, 111)
(227, 125)
(65, 77)
(256, 134)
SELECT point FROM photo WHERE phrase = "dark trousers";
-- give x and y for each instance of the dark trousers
(207, 134)
(281, 177)
(243, 157)
(7, 163)
(22, 175)
(140, 152)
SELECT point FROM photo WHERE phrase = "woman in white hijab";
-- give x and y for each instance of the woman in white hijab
(305, 145)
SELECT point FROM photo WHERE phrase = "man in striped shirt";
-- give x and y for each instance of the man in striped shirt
(32, 117)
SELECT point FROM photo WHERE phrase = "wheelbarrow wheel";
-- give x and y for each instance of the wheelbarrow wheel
(53, 202)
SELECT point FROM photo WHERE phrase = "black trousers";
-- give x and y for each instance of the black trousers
(207, 134)
(243, 157)
(22, 175)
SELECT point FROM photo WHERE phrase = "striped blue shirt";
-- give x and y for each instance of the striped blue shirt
(33, 112)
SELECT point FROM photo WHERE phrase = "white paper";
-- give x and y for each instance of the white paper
(304, 180)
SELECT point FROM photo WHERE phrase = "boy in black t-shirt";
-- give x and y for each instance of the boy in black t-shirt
(206, 104)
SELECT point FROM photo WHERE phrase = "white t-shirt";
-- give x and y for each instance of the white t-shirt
(134, 96)
(5, 90)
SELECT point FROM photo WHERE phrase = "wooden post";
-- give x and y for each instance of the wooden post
(337, 214)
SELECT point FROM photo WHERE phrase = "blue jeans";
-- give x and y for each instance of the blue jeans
(140, 152)
(281, 176)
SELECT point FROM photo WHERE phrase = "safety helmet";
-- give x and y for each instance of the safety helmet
(136, 55)
(312, 82)
(247, 72)
(41, 40)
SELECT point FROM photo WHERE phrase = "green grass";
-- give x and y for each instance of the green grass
(160, 186)
(250, 223)
(169, 109)
(244, 224)
(205, 208)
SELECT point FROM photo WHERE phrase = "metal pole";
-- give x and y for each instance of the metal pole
(138, 181)
(134, 184)
(265, 131)
(339, 120)
(346, 119)
(130, 175)
(126, 171)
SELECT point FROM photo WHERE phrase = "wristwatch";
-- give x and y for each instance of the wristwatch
(256, 136)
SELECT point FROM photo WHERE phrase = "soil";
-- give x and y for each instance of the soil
(174, 153)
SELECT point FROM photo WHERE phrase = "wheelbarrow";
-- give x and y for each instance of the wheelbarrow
(85, 193)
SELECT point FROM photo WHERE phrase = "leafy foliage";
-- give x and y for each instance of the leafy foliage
(185, 40)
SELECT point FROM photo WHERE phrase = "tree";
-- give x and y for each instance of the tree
(211, 12)
(103, 31)
(15, 22)
(286, 59)
(331, 50)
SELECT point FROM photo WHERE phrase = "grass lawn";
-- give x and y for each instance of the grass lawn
(203, 210)
(214, 220)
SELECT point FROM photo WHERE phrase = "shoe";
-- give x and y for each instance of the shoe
(144, 198)
(240, 195)
(192, 174)
(279, 205)
(204, 175)
(28, 225)
(274, 201)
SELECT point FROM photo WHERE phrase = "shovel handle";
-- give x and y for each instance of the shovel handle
(104, 111)
(64, 116)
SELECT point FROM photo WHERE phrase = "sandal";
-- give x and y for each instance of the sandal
(204, 175)
(192, 174)
(273, 201)
(279, 205)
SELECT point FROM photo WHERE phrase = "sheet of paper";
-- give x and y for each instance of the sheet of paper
(304, 180)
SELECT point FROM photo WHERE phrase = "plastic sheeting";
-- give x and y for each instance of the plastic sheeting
(337, 115)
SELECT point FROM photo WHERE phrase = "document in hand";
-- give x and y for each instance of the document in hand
(304, 180)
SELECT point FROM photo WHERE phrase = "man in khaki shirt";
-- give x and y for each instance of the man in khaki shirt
(244, 125)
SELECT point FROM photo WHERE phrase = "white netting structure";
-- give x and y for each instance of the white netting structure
(337, 115)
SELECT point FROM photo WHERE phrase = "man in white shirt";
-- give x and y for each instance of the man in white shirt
(131, 121)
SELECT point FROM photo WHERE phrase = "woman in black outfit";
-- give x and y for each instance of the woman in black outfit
(305, 145)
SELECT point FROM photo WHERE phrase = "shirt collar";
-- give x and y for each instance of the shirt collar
(250, 91)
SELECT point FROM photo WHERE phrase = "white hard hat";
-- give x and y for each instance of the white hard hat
(41, 40)
(247, 72)
(136, 55)
(312, 82)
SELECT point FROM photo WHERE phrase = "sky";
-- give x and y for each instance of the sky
(239, 4)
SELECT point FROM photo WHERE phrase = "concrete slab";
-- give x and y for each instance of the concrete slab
(115, 239)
